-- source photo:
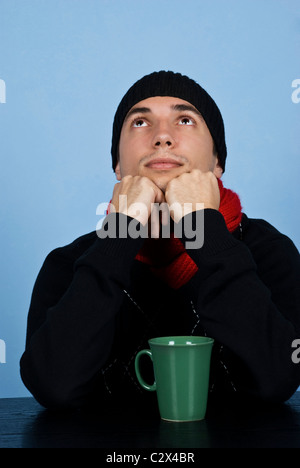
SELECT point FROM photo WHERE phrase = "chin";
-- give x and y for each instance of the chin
(162, 181)
(163, 178)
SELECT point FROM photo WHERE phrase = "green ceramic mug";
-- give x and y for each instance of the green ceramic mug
(181, 370)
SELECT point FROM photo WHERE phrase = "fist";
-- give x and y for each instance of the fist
(134, 197)
(192, 191)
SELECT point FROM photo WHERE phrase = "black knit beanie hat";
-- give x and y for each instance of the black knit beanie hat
(168, 83)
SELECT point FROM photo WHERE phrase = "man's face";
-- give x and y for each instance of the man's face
(163, 137)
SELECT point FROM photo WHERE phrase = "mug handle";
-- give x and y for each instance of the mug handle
(150, 388)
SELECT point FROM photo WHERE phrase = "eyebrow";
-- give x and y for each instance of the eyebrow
(137, 110)
(187, 107)
(175, 107)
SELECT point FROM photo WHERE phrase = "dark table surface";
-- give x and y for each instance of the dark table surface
(25, 424)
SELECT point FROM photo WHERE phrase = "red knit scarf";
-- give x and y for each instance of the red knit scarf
(168, 258)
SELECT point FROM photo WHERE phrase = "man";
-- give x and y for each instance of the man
(97, 301)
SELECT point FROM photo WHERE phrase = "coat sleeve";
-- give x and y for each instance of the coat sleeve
(71, 320)
(248, 298)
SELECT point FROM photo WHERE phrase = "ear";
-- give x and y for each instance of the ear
(218, 171)
(118, 172)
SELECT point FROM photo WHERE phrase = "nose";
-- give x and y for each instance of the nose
(163, 138)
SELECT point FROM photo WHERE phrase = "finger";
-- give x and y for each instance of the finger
(165, 213)
(155, 225)
(159, 195)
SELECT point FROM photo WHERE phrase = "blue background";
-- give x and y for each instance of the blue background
(66, 65)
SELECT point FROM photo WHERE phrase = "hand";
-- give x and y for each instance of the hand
(189, 189)
(134, 196)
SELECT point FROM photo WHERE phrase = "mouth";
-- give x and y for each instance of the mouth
(163, 164)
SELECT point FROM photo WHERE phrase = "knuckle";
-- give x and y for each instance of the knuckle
(126, 180)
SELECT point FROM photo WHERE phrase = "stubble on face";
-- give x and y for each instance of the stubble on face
(191, 147)
(161, 177)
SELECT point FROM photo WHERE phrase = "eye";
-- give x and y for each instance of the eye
(186, 121)
(139, 123)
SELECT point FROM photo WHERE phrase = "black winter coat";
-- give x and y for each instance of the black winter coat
(94, 306)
